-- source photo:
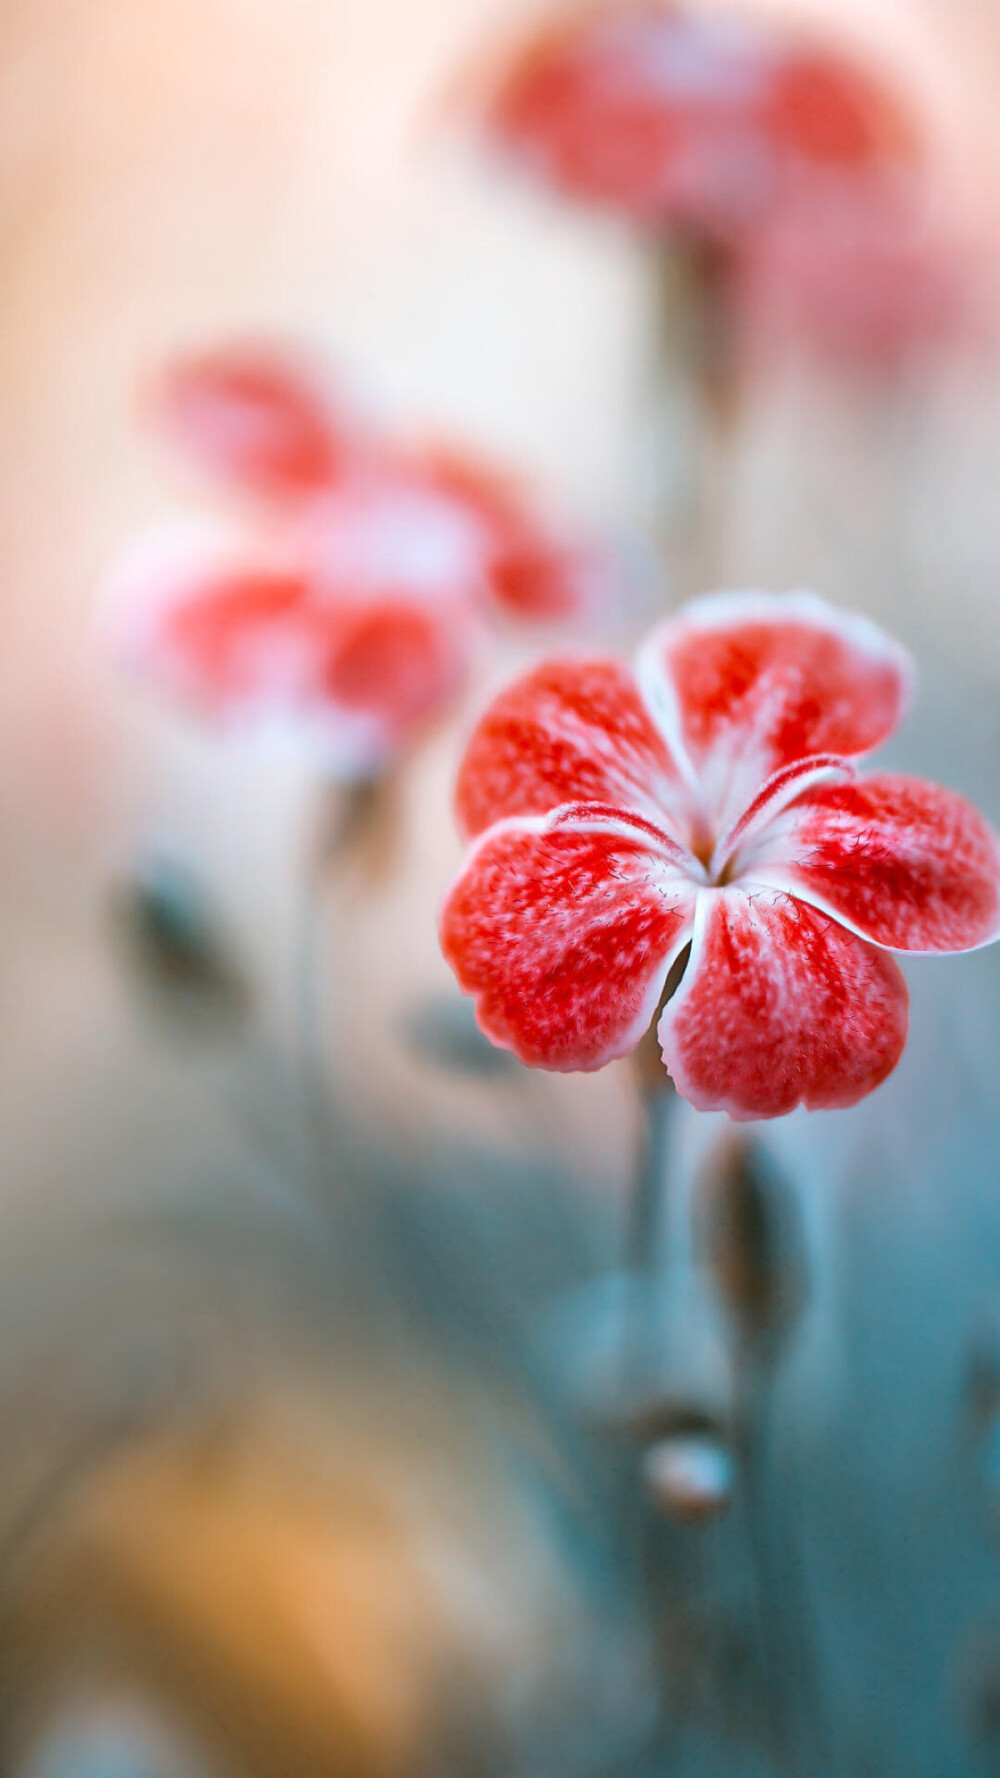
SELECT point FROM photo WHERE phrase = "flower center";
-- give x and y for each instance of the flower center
(726, 873)
(703, 846)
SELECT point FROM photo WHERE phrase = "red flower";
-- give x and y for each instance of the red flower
(257, 420)
(792, 163)
(710, 801)
(251, 644)
(349, 619)
(695, 121)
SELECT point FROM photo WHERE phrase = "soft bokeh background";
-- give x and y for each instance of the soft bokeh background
(288, 1492)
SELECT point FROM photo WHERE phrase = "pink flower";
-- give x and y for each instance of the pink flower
(695, 121)
(707, 806)
(865, 285)
(348, 617)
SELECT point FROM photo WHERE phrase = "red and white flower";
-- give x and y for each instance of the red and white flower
(710, 800)
(796, 166)
(347, 616)
(244, 641)
(696, 121)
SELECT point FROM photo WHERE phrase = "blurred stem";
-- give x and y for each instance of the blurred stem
(310, 1013)
(671, 1305)
(345, 819)
(699, 373)
(648, 1208)
(657, 1097)
(681, 1365)
(309, 937)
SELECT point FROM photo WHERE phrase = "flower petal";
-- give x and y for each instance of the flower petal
(223, 635)
(867, 285)
(779, 1006)
(252, 417)
(249, 644)
(833, 116)
(565, 929)
(646, 110)
(539, 577)
(398, 660)
(530, 569)
(745, 683)
(376, 532)
(904, 863)
(571, 731)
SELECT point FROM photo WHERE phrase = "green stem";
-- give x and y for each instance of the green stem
(679, 1380)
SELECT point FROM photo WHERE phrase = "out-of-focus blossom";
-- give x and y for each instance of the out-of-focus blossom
(256, 420)
(346, 617)
(871, 287)
(805, 176)
(697, 122)
(707, 808)
(256, 645)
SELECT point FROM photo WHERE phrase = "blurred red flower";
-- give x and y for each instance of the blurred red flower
(348, 621)
(708, 806)
(697, 122)
(800, 170)
(872, 287)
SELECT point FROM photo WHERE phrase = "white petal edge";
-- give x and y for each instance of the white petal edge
(726, 609)
(539, 824)
(776, 881)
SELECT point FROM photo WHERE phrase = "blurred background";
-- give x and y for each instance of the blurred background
(312, 1455)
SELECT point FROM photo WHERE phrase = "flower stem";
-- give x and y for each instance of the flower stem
(699, 378)
(680, 1381)
(343, 824)
(310, 1019)
(647, 1205)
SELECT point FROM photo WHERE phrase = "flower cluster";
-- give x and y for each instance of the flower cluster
(704, 814)
(347, 615)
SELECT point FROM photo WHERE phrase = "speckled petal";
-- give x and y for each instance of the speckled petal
(570, 731)
(780, 1006)
(565, 928)
(904, 863)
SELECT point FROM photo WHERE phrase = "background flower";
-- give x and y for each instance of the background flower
(247, 642)
(347, 617)
(787, 166)
(696, 121)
